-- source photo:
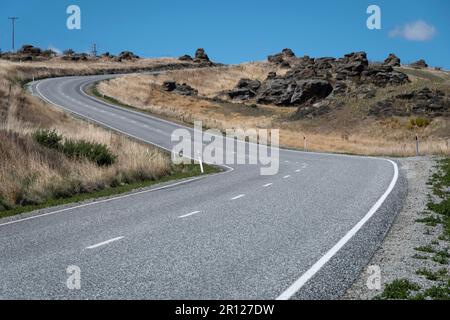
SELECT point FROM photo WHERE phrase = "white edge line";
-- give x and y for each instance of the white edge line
(300, 282)
(188, 215)
(104, 243)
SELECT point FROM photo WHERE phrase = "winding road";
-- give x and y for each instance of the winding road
(305, 233)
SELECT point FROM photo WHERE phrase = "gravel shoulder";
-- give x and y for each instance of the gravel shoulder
(398, 257)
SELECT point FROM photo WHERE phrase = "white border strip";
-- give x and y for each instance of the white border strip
(104, 243)
(297, 285)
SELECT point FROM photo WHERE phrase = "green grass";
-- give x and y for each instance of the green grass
(180, 172)
(431, 221)
(432, 276)
(426, 249)
(439, 292)
(440, 183)
(442, 257)
(400, 289)
(419, 257)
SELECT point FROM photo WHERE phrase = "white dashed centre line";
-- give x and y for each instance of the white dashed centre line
(267, 185)
(298, 170)
(238, 197)
(188, 215)
(104, 243)
(286, 177)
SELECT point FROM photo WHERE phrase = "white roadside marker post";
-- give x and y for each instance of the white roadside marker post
(417, 146)
(200, 161)
(305, 146)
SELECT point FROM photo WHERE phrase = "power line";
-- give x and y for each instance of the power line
(13, 22)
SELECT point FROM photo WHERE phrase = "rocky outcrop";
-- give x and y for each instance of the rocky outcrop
(310, 81)
(292, 92)
(421, 64)
(282, 58)
(425, 101)
(185, 57)
(75, 57)
(182, 89)
(202, 58)
(351, 65)
(383, 75)
(30, 50)
(28, 53)
(126, 56)
(244, 90)
(392, 60)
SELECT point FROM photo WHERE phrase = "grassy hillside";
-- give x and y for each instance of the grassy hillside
(347, 128)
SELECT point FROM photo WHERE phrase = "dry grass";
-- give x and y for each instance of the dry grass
(210, 81)
(347, 129)
(32, 174)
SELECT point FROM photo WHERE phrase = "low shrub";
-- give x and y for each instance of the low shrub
(418, 123)
(95, 152)
(80, 149)
(48, 138)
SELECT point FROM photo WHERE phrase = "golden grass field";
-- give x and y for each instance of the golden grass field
(347, 130)
(32, 174)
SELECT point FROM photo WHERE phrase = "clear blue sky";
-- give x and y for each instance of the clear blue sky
(234, 31)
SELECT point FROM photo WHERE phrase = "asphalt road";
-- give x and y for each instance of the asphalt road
(304, 233)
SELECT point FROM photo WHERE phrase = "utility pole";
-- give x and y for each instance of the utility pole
(13, 21)
(94, 50)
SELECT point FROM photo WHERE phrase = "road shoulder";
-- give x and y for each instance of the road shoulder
(409, 250)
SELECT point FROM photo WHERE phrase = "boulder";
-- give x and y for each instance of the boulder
(280, 58)
(202, 58)
(185, 57)
(289, 92)
(288, 53)
(420, 64)
(126, 56)
(29, 50)
(392, 60)
(248, 83)
(383, 75)
(271, 75)
(244, 90)
(182, 89)
(351, 65)
(314, 110)
(169, 85)
(426, 102)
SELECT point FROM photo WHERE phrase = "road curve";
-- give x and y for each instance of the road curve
(305, 233)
